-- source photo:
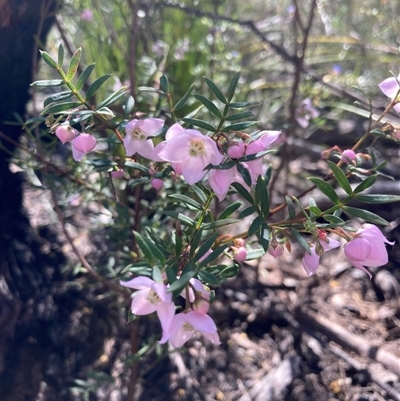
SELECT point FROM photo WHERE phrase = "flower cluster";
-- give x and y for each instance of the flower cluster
(152, 296)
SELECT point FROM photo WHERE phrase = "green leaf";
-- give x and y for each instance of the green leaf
(377, 198)
(291, 208)
(232, 86)
(112, 98)
(262, 196)
(242, 105)
(255, 156)
(214, 89)
(177, 286)
(326, 189)
(171, 272)
(198, 190)
(137, 166)
(333, 219)
(57, 97)
(230, 210)
(247, 212)
(367, 183)
(60, 55)
(218, 223)
(239, 126)
(264, 236)
(155, 250)
(150, 89)
(256, 225)
(208, 278)
(185, 220)
(143, 247)
(315, 210)
(301, 240)
(195, 242)
(48, 83)
(230, 270)
(223, 166)
(137, 181)
(242, 191)
(186, 200)
(181, 103)
(209, 105)
(74, 63)
(255, 254)
(59, 107)
(157, 275)
(206, 246)
(340, 177)
(84, 76)
(244, 172)
(199, 123)
(365, 215)
(164, 85)
(129, 105)
(96, 85)
(48, 60)
(239, 116)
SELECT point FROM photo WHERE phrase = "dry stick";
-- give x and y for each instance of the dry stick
(347, 339)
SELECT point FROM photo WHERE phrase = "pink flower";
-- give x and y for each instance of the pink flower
(66, 133)
(348, 156)
(199, 296)
(367, 248)
(305, 112)
(275, 252)
(189, 151)
(236, 151)
(82, 144)
(87, 15)
(117, 173)
(240, 254)
(137, 132)
(185, 325)
(261, 144)
(152, 297)
(157, 183)
(311, 262)
(390, 87)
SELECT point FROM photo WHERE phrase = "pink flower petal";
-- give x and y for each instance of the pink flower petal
(389, 87)
(140, 303)
(138, 283)
(84, 143)
(310, 262)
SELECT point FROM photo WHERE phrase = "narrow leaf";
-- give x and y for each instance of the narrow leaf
(247, 212)
(230, 210)
(198, 190)
(217, 224)
(181, 103)
(84, 76)
(377, 198)
(326, 189)
(195, 242)
(155, 250)
(340, 177)
(301, 240)
(199, 123)
(291, 208)
(214, 89)
(60, 55)
(367, 183)
(333, 219)
(186, 200)
(244, 172)
(129, 105)
(232, 86)
(48, 60)
(213, 255)
(240, 116)
(209, 105)
(164, 85)
(262, 196)
(177, 286)
(242, 105)
(365, 215)
(137, 166)
(256, 225)
(59, 107)
(242, 191)
(255, 253)
(112, 98)
(48, 82)
(74, 63)
(208, 278)
(156, 274)
(96, 85)
(239, 126)
(57, 97)
(144, 247)
(206, 246)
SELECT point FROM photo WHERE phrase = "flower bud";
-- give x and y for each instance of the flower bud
(117, 173)
(239, 254)
(157, 183)
(236, 151)
(348, 156)
(66, 133)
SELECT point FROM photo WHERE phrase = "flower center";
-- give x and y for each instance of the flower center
(153, 298)
(188, 327)
(139, 135)
(196, 148)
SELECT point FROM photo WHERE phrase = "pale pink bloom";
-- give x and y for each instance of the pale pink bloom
(390, 87)
(157, 183)
(220, 181)
(367, 248)
(199, 296)
(117, 173)
(261, 144)
(137, 132)
(185, 325)
(305, 112)
(82, 144)
(87, 15)
(236, 151)
(151, 297)
(275, 252)
(311, 262)
(239, 254)
(65, 133)
(188, 150)
(348, 156)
